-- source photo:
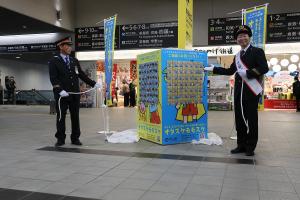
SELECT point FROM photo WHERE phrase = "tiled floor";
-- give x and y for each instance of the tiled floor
(144, 171)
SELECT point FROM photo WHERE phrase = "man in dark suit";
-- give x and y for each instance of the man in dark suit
(249, 66)
(296, 92)
(65, 72)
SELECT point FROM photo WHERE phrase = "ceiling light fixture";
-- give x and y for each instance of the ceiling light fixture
(294, 58)
(273, 61)
(276, 68)
(292, 67)
(58, 15)
(284, 62)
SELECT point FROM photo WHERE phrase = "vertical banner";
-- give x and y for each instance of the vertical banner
(185, 24)
(109, 38)
(256, 19)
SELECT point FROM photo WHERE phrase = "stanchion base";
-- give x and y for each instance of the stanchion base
(106, 132)
(233, 137)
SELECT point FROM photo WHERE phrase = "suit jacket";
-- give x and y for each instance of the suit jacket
(64, 78)
(255, 59)
(296, 89)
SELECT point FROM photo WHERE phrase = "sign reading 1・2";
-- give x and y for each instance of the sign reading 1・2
(109, 38)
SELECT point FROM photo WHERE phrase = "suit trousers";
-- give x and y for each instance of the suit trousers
(72, 103)
(298, 103)
(246, 138)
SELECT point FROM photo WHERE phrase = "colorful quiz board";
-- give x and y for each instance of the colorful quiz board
(172, 96)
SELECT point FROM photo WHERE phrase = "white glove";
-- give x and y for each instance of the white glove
(242, 72)
(64, 94)
(210, 68)
(98, 85)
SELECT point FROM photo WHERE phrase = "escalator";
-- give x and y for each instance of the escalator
(34, 97)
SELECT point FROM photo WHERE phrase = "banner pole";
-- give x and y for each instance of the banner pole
(266, 4)
(109, 38)
(115, 15)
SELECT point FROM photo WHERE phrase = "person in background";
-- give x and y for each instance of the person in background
(249, 66)
(125, 92)
(116, 94)
(132, 94)
(1, 92)
(10, 85)
(296, 92)
(13, 89)
(64, 72)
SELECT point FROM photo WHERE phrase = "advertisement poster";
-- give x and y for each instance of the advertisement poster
(279, 90)
(113, 81)
(133, 70)
(109, 38)
(148, 95)
(87, 99)
(172, 96)
(185, 24)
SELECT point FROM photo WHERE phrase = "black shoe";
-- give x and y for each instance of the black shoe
(238, 150)
(249, 153)
(59, 143)
(77, 142)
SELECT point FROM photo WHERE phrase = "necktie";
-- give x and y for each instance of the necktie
(67, 61)
(242, 53)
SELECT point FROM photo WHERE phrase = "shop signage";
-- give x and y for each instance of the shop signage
(27, 48)
(219, 50)
(130, 36)
(280, 104)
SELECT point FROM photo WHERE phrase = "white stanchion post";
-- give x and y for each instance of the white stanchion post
(105, 116)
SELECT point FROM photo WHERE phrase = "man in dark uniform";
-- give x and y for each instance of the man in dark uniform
(65, 72)
(249, 66)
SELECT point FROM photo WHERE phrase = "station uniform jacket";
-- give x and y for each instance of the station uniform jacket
(255, 59)
(65, 76)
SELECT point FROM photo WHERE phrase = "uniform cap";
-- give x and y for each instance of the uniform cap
(242, 29)
(66, 40)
